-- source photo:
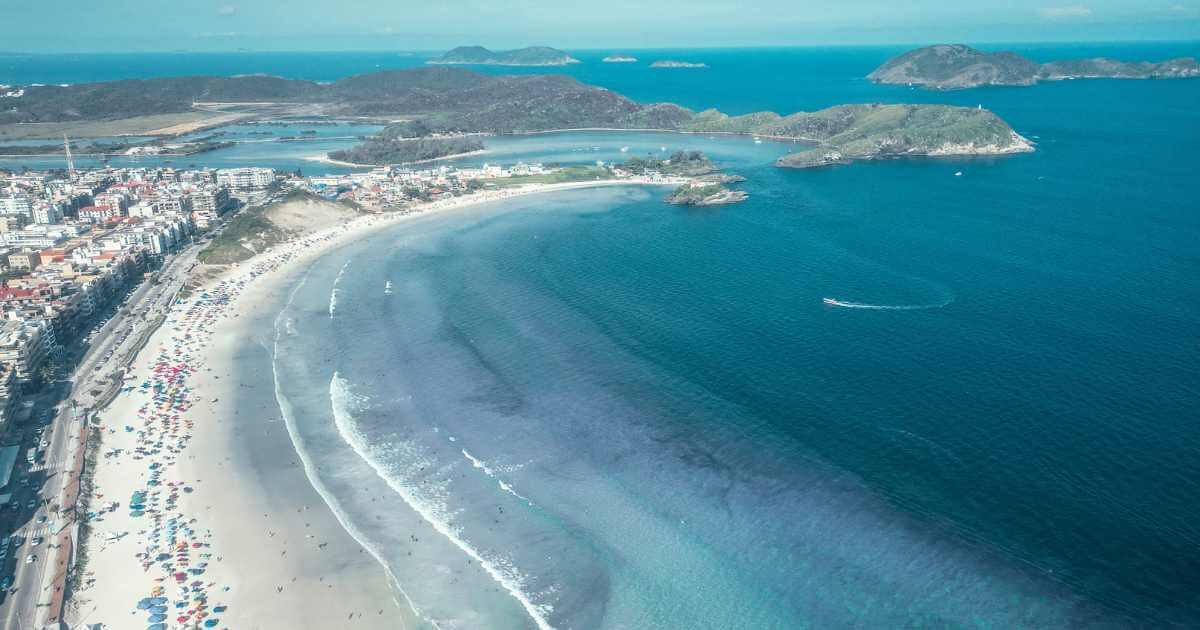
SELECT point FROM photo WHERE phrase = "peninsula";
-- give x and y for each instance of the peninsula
(387, 149)
(436, 103)
(952, 67)
(531, 56)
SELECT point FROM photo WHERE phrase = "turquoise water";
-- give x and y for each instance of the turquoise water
(698, 433)
(595, 410)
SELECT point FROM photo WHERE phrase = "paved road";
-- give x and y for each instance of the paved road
(108, 352)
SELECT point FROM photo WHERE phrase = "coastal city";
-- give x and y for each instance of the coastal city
(474, 316)
(93, 261)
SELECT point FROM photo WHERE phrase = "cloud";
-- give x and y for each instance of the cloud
(226, 9)
(1067, 12)
(1181, 10)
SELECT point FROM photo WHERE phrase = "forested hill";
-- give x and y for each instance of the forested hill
(448, 101)
(464, 99)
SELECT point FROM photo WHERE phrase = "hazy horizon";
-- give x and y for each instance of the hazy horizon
(376, 25)
(982, 44)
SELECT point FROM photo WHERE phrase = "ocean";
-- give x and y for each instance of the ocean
(594, 410)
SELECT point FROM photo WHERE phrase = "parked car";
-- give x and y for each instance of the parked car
(37, 540)
(6, 583)
(30, 559)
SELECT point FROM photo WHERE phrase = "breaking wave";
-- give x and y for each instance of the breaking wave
(343, 400)
(333, 294)
(286, 325)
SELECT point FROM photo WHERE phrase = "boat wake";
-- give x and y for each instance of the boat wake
(886, 307)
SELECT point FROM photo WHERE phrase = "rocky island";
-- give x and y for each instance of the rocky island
(531, 56)
(848, 133)
(952, 67)
(677, 64)
(701, 194)
(619, 59)
(705, 187)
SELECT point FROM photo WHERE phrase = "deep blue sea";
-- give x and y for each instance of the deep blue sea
(594, 410)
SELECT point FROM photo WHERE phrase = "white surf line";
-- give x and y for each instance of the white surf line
(333, 294)
(358, 443)
(310, 468)
(476, 462)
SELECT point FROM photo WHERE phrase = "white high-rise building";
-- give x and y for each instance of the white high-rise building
(246, 178)
(47, 213)
(16, 204)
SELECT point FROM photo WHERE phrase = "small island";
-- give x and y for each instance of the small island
(677, 64)
(619, 59)
(701, 194)
(531, 56)
(955, 67)
(704, 186)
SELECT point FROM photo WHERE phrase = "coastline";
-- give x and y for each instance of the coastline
(248, 506)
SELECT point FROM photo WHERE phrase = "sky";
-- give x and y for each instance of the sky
(230, 25)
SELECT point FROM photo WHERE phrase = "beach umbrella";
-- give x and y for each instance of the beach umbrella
(156, 618)
(144, 603)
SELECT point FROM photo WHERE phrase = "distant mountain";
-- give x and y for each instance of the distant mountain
(954, 66)
(531, 56)
(619, 59)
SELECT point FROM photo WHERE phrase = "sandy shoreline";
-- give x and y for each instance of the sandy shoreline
(231, 526)
(328, 160)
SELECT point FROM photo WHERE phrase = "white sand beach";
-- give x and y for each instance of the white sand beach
(227, 530)
(324, 159)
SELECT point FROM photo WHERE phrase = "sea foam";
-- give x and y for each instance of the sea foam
(433, 510)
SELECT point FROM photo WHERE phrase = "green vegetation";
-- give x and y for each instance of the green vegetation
(561, 176)
(248, 233)
(681, 163)
(706, 195)
(385, 150)
(447, 101)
